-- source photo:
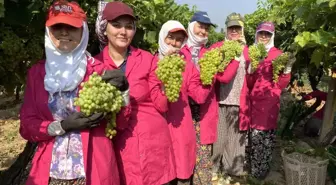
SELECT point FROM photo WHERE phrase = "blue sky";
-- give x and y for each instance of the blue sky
(219, 9)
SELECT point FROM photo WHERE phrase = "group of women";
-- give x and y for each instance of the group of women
(205, 133)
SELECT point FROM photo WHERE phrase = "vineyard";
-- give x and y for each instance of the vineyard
(305, 27)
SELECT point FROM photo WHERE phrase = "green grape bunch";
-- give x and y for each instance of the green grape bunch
(169, 71)
(279, 64)
(230, 49)
(256, 53)
(97, 96)
(209, 65)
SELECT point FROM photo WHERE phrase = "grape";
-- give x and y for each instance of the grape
(169, 71)
(230, 49)
(217, 59)
(257, 53)
(97, 96)
(278, 65)
(209, 65)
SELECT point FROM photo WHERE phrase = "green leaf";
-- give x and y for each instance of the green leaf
(303, 39)
(317, 57)
(321, 1)
(156, 2)
(332, 3)
(151, 37)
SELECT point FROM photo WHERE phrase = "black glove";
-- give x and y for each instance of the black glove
(116, 78)
(78, 121)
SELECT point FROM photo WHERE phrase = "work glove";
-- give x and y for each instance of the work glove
(78, 121)
(116, 78)
(291, 61)
(75, 121)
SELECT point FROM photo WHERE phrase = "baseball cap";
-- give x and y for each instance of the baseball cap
(266, 26)
(65, 12)
(116, 9)
(234, 19)
(201, 17)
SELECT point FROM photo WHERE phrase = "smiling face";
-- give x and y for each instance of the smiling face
(201, 29)
(175, 39)
(234, 32)
(65, 37)
(120, 32)
(264, 37)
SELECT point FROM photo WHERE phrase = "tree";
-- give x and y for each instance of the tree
(214, 37)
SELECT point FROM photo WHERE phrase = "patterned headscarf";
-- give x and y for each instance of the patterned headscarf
(101, 25)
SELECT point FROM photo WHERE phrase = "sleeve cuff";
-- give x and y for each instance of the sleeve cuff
(55, 129)
(126, 98)
(287, 70)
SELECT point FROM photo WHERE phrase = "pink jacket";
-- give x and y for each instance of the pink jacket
(144, 149)
(265, 94)
(99, 158)
(209, 110)
(180, 121)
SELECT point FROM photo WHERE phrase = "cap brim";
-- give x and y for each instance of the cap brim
(209, 23)
(265, 30)
(75, 22)
(178, 29)
(235, 23)
(122, 14)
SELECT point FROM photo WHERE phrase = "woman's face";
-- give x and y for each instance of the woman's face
(201, 29)
(264, 37)
(65, 37)
(234, 32)
(175, 39)
(120, 31)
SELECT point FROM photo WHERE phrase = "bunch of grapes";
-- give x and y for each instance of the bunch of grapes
(169, 71)
(278, 65)
(209, 65)
(97, 96)
(257, 53)
(230, 49)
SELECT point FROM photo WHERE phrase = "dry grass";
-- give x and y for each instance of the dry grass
(11, 142)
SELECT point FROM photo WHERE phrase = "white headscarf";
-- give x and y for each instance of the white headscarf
(270, 44)
(243, 39)
(165, 29)
(65, 71)
(194, 40)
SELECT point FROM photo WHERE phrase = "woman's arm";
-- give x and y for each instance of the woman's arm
(32, 126)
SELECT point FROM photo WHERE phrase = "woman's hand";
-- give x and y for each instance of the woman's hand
(291, 61)
(173, 51)
(78, 121)
(75, 121)
(116, 78)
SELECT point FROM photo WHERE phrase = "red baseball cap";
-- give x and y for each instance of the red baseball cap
(179, 29)
(266, 26)
(116, 9)
(66, 13)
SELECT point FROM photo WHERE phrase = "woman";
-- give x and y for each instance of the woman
(205, 126)
(144, 148)
(205, 115)
(265, 102)
(229, 149)
(172, 38)
(72, 148)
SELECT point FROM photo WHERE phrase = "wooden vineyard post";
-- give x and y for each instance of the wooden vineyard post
(329, 108)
